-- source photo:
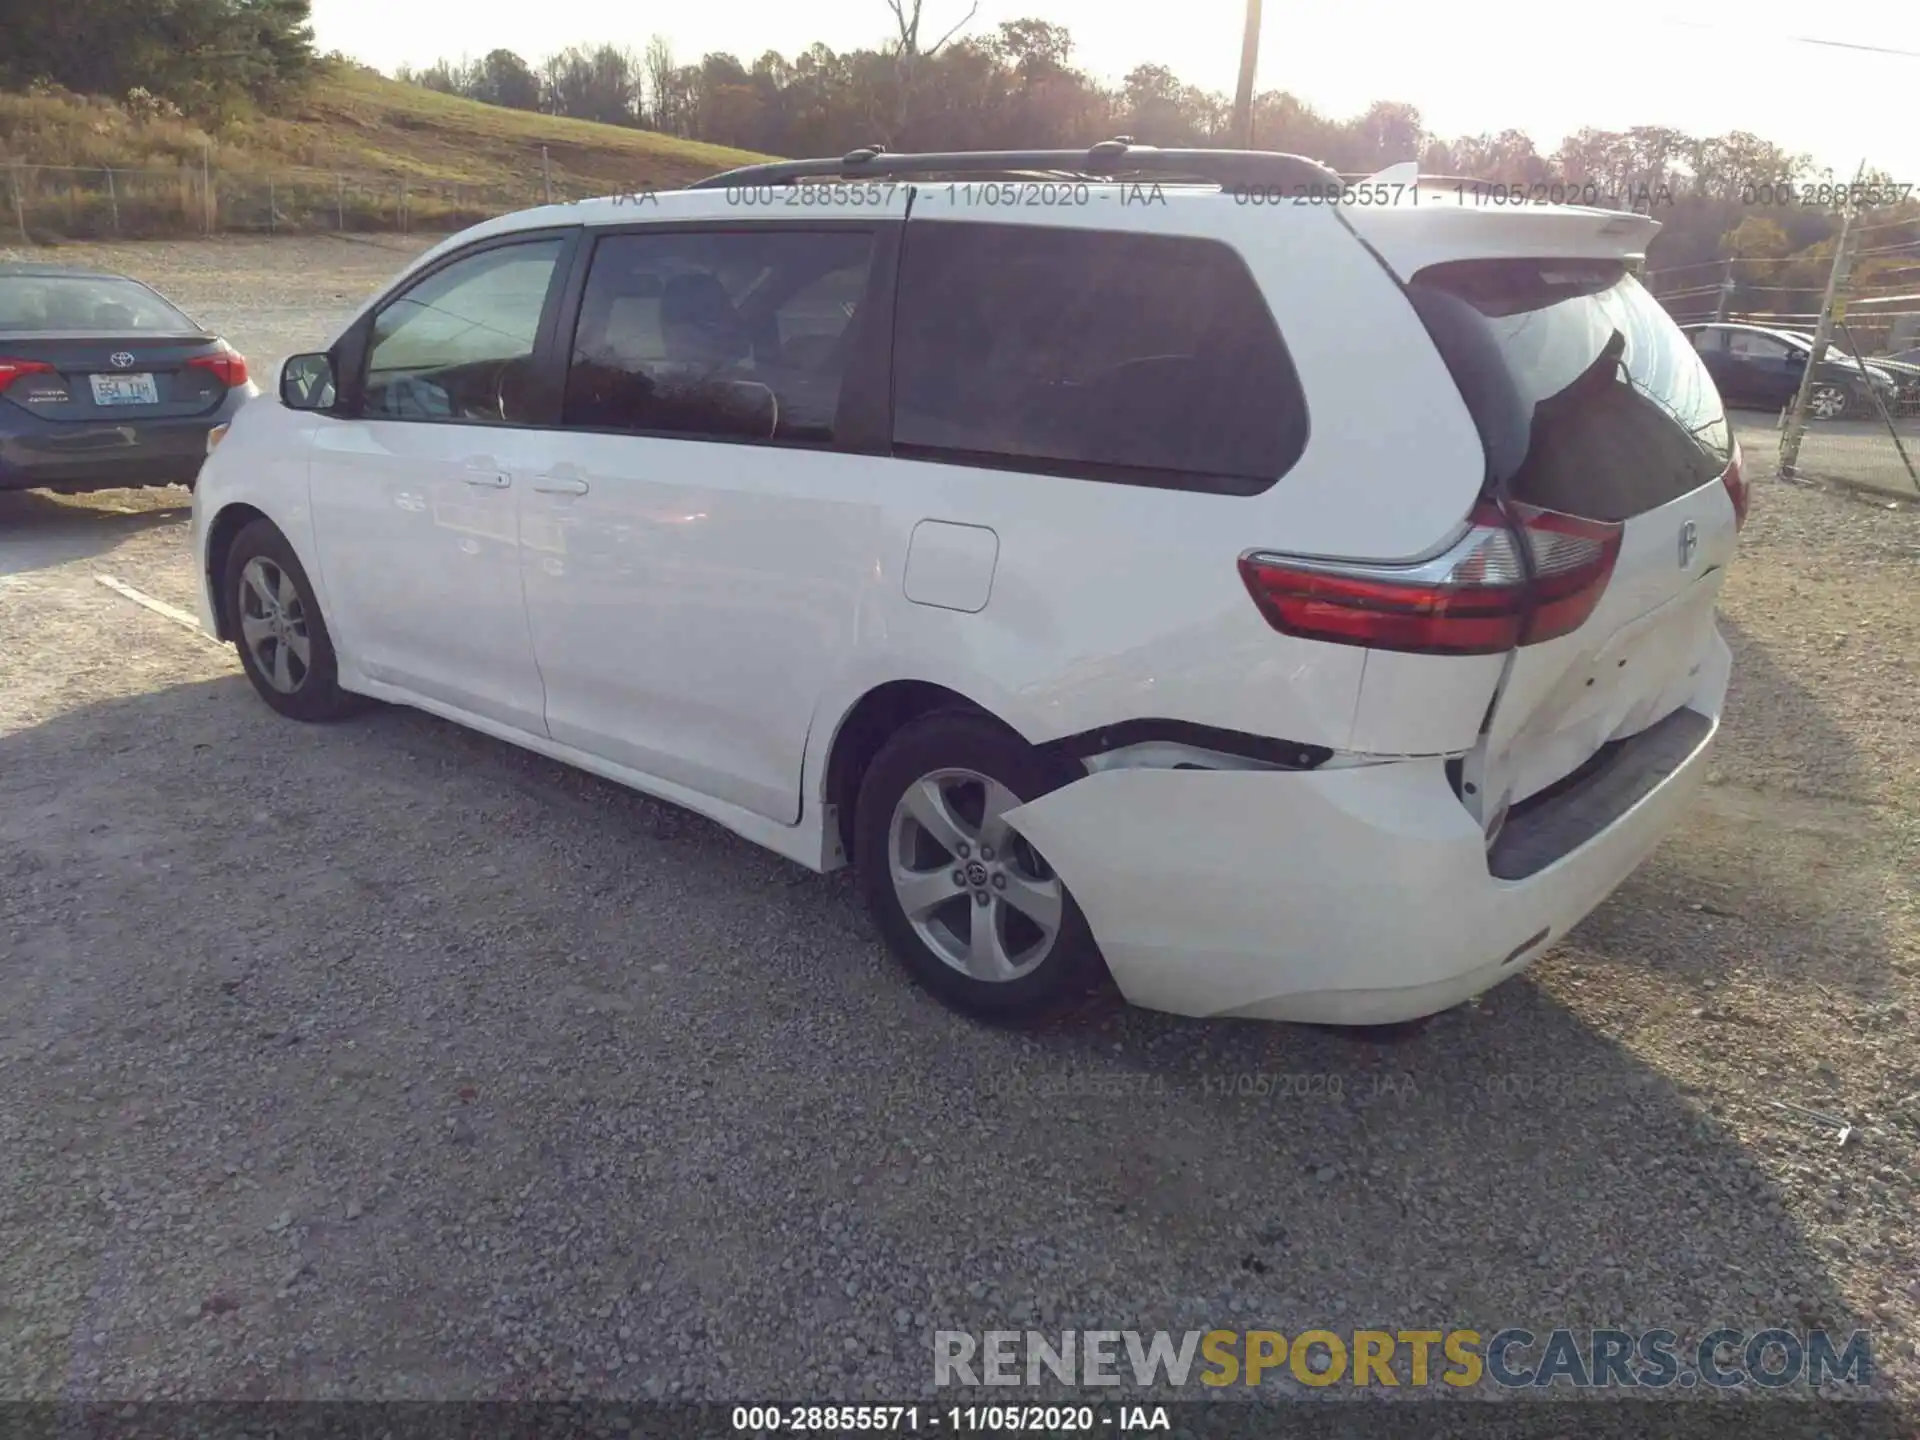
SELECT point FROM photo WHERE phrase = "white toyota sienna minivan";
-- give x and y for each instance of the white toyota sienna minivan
(1296, 598)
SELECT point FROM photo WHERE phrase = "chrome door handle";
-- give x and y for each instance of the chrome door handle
(488, 479)
(559, 485)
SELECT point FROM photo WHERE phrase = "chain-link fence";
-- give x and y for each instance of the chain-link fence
(1853, 415)
(54, 202)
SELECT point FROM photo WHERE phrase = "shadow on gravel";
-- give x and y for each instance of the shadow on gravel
(1783, 863)
(1779, 727)
(39, 530)
(448, 1053)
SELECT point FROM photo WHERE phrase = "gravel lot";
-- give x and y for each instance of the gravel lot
(385, 1060)
(1862, 452)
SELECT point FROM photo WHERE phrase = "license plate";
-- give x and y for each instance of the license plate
(124, 390)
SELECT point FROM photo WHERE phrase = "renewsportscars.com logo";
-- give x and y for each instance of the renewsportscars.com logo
(1510, 1359)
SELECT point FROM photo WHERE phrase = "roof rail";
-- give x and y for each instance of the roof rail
(1109, 160)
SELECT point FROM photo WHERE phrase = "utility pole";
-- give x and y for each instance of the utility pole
(1243, 96)
(546, 178)
(1822, 332)
(1726, 291)
(19, 205)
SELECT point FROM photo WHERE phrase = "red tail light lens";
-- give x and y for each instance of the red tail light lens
(1735, 479)
(1573, 560)
(229, 367)
(1475, 599)
(12, 370)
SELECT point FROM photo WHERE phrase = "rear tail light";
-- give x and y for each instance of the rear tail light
(12, 370)
(1735, 479)
(1476, 599)
(229, 367)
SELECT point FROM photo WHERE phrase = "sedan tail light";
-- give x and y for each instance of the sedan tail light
(12, 370)
(229, 367)
(1475, 599)
(1735, 479)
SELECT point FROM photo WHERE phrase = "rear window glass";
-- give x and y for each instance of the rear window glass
(1590, 399)
(86, 304)
(1142, 359)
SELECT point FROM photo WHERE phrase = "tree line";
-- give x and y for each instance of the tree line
(1017, 87)
(204, 57)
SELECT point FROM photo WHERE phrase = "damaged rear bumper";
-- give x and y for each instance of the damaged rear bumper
(1356, 896)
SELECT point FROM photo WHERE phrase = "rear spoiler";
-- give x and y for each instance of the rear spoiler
(1425, 220)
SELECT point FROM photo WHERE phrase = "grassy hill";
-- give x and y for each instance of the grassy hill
(359, 150)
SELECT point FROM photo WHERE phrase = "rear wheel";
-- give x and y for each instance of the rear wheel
(276, 624)
(972, 910)
(1829, 402)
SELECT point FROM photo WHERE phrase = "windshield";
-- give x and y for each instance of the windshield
(86, 304)
(1835, 349)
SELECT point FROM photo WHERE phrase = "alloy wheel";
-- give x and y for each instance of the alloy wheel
(273, 625)
(974, 891)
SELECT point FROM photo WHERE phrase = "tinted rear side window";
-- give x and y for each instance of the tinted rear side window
(1589, 398)
(1142, 359)
(718, 335)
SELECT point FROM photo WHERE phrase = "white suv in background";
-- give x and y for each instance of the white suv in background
(1124, 557)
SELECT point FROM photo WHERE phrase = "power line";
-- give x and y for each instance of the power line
(1851, 45)
(1796, 39)
(1737, 260)
(1733, 260)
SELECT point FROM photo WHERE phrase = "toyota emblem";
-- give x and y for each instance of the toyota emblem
(121, 359)
(1689, 542)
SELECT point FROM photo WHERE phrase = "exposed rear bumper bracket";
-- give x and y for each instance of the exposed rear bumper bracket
(1286, 754)
(1558, 821)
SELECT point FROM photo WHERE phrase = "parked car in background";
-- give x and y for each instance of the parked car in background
(105, 383)
(1758, 367)
(1898, 383)
(991, 550)
(1906, 376)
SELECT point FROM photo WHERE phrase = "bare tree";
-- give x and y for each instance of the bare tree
(908, 54)
(663, 88)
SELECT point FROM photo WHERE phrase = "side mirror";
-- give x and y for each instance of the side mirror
(307, 382)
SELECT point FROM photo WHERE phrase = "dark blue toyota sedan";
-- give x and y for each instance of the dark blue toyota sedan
(104, 383)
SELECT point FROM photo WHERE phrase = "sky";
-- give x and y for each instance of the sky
(1701, 66)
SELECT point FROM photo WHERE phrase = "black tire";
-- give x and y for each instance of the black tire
(957, 740)
(316, 695)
